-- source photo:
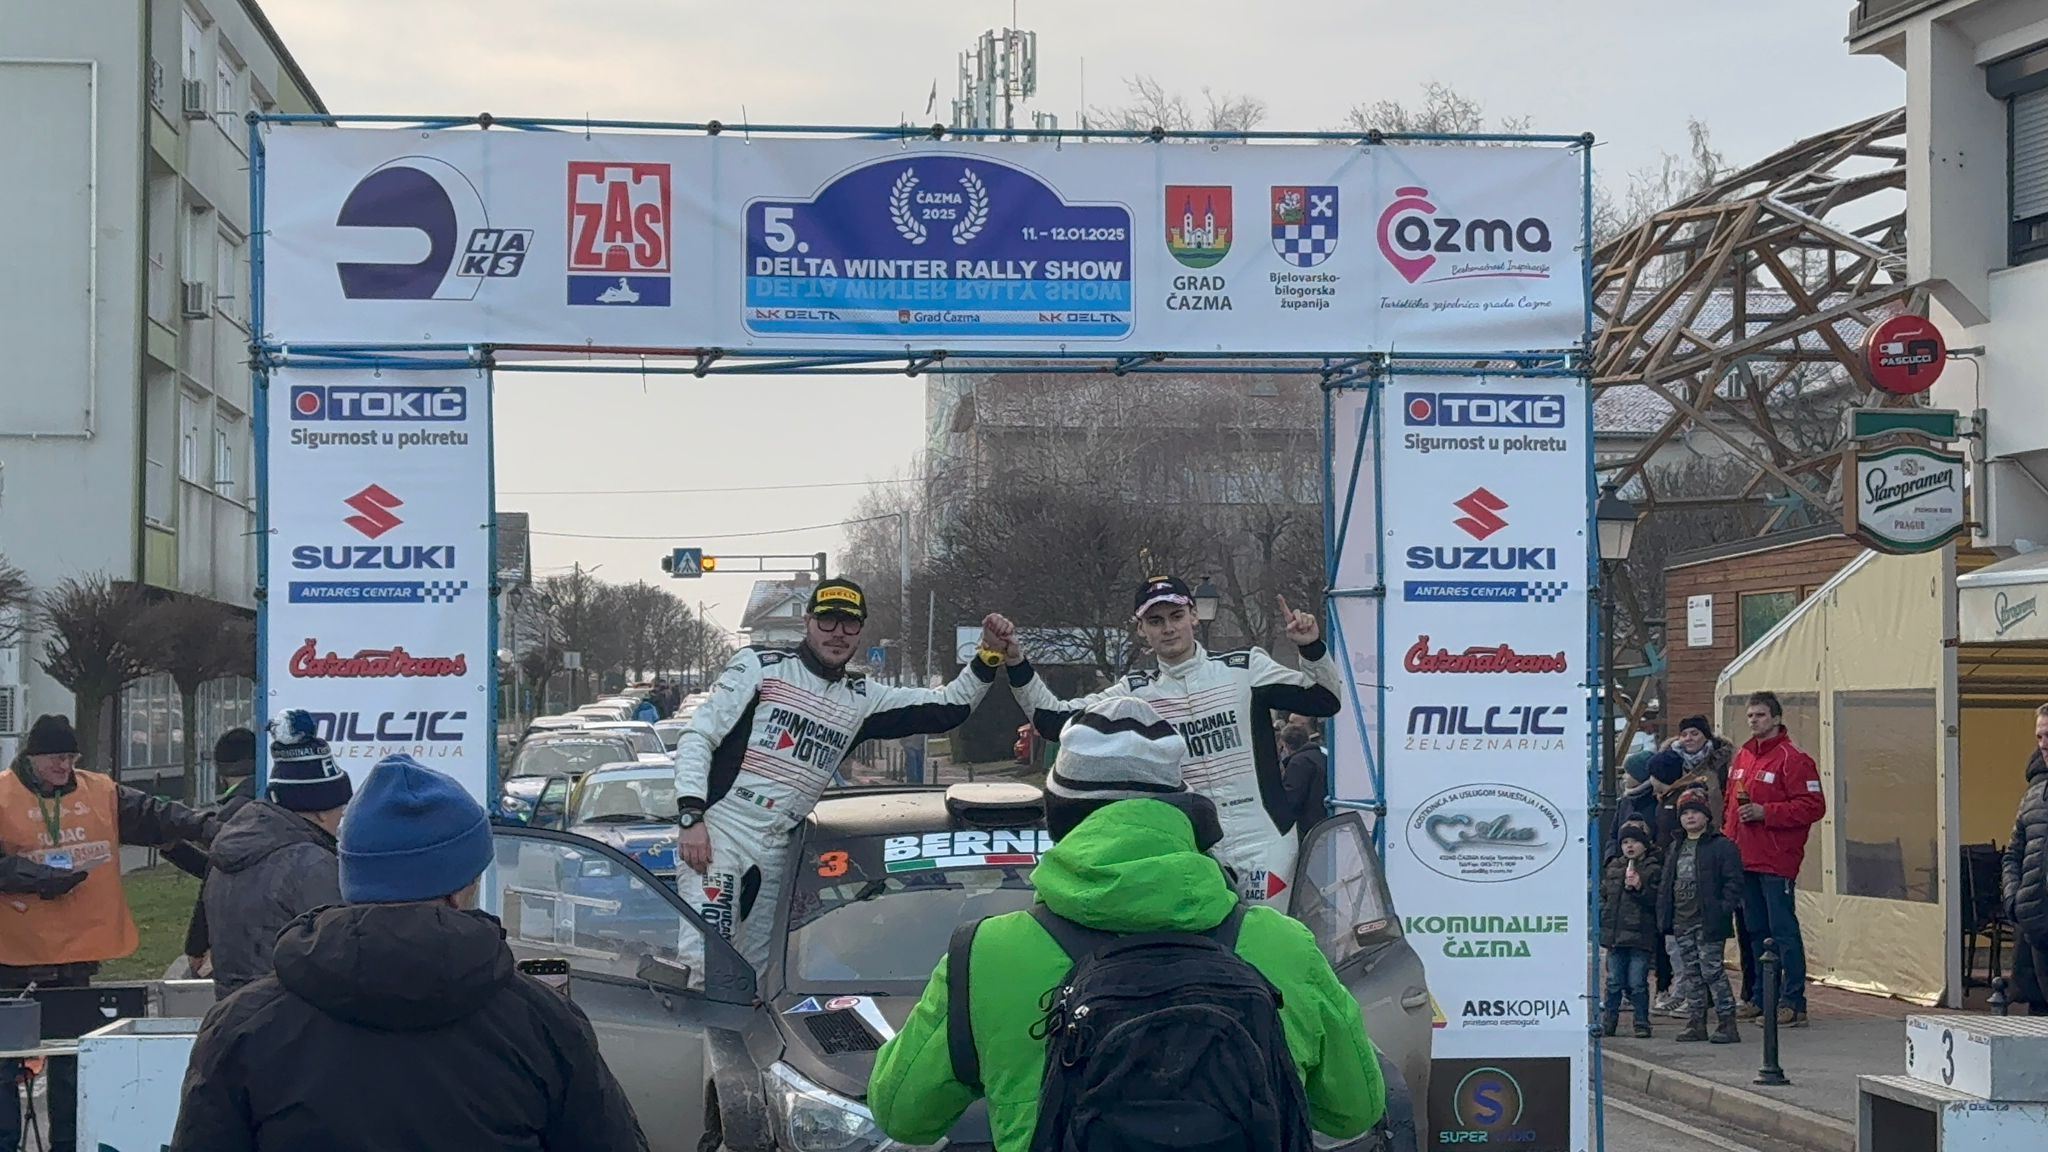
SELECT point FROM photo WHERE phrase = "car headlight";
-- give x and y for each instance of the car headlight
(814, 1119)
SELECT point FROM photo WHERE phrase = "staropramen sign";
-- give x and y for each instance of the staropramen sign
(1906, 499)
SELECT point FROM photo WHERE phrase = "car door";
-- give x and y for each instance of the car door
(1340, 892)
(643, 967)
(551, 807)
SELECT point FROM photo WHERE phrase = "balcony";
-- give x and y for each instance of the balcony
(1872, 15)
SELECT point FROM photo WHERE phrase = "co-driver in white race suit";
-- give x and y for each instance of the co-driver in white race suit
(759, 752)
(1222, 703)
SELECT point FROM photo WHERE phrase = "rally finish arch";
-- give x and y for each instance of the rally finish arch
(1438, 286)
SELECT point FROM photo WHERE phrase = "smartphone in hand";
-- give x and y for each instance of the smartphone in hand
(550, 971)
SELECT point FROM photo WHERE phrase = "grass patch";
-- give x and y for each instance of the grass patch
(161, 900)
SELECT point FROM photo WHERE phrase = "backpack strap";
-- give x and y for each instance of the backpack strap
(1076, 940)
(959, 1018)
(1225, 932)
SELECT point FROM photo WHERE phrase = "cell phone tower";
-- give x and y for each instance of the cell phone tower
(996, 76)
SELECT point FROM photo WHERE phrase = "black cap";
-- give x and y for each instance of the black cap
(50, 735)
(1162, 590)
(838, 598)
(235, 746)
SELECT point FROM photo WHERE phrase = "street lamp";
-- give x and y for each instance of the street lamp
(1206, 600)
(1616, 520)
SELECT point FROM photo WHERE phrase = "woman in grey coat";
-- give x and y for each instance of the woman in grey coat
(276, 858)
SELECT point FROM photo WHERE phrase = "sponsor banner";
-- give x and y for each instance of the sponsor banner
(387, 236)
(1477, 534)
(377, 606)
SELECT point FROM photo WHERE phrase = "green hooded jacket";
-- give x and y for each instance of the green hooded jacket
(1129, 867)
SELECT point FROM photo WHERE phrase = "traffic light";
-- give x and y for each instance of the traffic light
(709, 564)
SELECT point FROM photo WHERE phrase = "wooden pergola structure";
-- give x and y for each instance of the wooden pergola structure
(1738, 314)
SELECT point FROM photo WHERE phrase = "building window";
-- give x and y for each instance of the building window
(188, 440)
(2028, 117)
(1758, 612)
(223, 462)
(193, 66)
(229, 273)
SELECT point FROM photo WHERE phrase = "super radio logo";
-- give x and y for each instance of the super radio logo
(620, 240)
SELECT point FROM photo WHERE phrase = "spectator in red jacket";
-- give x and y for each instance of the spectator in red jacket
(1774, 797)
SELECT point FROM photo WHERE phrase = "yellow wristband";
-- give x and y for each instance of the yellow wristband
(989, 656)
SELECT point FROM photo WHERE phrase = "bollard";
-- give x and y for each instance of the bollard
(2001, 1004)
(1770, 1075)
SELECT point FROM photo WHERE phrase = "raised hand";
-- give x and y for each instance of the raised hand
(1301, 627)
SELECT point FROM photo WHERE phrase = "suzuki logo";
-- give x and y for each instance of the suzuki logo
(373, 506)
(1481, 514)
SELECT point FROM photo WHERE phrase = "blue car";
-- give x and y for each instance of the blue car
(546, 756)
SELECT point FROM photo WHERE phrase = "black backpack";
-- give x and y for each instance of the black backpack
(1154, 1041)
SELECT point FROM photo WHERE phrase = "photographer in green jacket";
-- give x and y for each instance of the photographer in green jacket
(1129, 858)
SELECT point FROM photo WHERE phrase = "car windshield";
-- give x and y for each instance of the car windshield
(569, 757)
(671, 735)
(643, 740)
(609, 799)
(878, 910)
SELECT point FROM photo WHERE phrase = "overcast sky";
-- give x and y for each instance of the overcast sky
(1761, 73)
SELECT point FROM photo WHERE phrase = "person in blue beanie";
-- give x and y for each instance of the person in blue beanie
(397, 1019)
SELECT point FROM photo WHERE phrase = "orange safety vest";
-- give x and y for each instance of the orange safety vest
(88, 923)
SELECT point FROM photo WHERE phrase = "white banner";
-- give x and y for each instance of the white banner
(1481, 543)
(377, 606)
(399, 236)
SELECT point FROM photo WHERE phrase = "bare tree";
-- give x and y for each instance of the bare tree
(17, 602)
(98, 645)
(1669, 182)
(195, 642)
(1152, 106)
(1443, 109)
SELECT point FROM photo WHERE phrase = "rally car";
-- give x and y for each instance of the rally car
(714, 1057)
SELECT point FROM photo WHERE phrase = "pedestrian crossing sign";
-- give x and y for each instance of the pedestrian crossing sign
(686, 562)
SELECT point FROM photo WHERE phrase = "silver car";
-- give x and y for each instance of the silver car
(781, 1062)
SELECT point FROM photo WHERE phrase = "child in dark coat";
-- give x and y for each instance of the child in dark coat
(1696, 906)
(1628, 926)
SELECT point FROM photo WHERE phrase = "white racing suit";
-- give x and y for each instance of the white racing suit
(759, 752)
(1222, 703)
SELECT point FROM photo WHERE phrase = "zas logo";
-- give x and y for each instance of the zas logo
(1413, 234)
(621, 247)
(1482, 519)
(1521, 1102)
(1198, 223)
(373, 507)
(430, 197)
(1305, 223)
(1487, 833)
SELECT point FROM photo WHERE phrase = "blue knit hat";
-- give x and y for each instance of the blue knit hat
(413, 834)
(303, 774)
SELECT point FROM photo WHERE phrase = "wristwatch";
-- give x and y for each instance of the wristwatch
(989, 656)
(689, 819)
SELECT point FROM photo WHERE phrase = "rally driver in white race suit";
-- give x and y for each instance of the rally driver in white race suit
(759, 752)
(1222, 703)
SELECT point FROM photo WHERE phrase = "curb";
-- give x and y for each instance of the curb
(1752, 1111)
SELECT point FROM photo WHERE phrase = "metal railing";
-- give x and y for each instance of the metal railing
(1873, 14)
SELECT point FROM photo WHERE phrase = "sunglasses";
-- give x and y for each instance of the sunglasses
(844, 625)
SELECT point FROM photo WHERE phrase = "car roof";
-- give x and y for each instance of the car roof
(571, 736)
(898, 810)
(630, 770)
(617, 725)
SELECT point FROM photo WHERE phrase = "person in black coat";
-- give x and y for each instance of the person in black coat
(234, 763)
(2025, 886)
(1304, 778)
(398, 1019)
(1696, 906)
(1629, 890)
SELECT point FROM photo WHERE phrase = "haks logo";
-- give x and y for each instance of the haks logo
(420, 194)
(1482, 511)
(621, 247)
(373, 663)
(1413, 233)
(373, 507)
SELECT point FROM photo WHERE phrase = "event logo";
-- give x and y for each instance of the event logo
(1468, 728)
(373, 663)
(1413, 234)
(1305, 223)
(1484, 410)
(1519, 1102)
(1487, 833)
(359, 402)
(430, 197)
(621, 248)
(391, 728)
(1482, 511)
(1488, 937)
(1198, 223)
(373, 507)
(1480, 659)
